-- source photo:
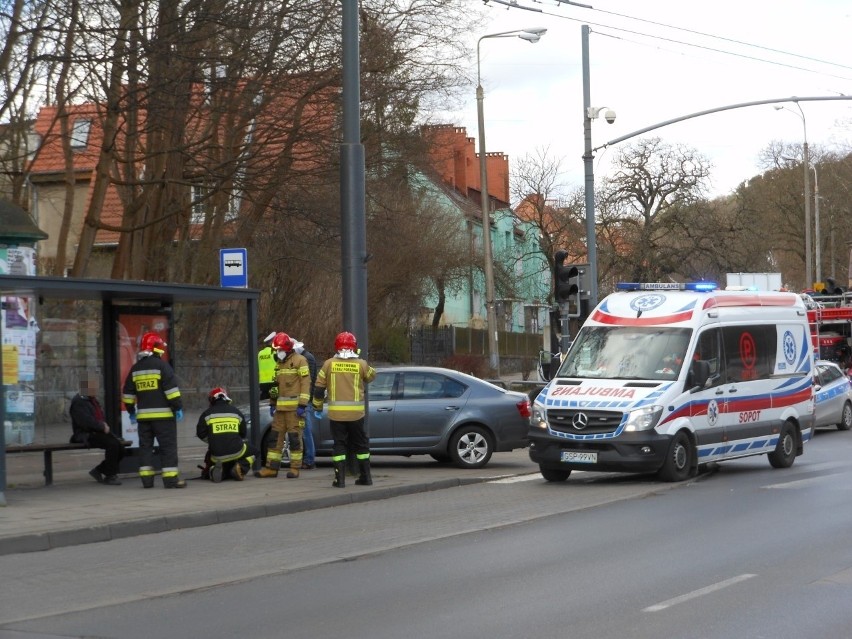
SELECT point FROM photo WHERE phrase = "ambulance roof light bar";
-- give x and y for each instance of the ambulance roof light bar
(667, 286)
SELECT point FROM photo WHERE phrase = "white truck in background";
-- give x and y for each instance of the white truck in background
(754, 281)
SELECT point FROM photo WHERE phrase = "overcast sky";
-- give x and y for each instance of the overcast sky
(654, 61)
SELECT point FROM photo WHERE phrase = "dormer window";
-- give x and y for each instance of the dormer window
(80, 134)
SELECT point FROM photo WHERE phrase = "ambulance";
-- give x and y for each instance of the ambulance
(664, 377)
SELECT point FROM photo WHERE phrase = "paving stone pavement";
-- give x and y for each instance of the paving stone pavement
(77, 510)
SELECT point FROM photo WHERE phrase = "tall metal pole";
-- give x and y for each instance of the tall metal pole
(490, 310)
(530, 35)
(353, 234)
(591, 240)
(809, 273)
(817, 237)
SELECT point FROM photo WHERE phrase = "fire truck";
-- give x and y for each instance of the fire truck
(830, 319)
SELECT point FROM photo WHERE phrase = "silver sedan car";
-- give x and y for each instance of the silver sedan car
(451, 416)
(833, 396)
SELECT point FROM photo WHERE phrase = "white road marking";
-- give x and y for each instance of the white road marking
(698, 593)
(516, 479)
(798, 483)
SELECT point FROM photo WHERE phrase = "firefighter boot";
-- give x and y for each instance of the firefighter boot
(270, 470)
(339, 474)
(146, 474)
(365, 478)
(174, 482)
(295, 465)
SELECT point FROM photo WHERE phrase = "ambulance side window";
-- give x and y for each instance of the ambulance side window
(749, 352)
(709, 349)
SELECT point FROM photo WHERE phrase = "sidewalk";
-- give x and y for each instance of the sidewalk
(77, 510)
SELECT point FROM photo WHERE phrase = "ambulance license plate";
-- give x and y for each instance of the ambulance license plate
(577, 457)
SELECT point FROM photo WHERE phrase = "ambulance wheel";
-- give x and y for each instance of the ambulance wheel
(785, 451)
(680, 459)
(846, 417)
(551, 474)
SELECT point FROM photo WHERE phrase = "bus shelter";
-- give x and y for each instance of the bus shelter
(88, 325)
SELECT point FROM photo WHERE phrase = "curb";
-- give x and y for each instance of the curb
(36, 542)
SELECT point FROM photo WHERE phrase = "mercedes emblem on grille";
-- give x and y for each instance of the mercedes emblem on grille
(580, 421)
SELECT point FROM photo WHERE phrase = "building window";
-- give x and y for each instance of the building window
(80, 133)
(199, 196)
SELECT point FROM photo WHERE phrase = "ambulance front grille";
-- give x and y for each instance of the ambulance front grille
(583, 422)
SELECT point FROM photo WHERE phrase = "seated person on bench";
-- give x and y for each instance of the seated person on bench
(90, 428)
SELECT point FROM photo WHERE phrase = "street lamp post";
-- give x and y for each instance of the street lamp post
(530, 35)
(817, 238)
(806, 163)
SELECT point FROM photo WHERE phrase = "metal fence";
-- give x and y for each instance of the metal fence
(431, 346)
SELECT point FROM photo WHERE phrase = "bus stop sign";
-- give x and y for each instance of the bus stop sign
(233, 268)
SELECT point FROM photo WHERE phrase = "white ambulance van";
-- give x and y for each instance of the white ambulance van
(664, 377)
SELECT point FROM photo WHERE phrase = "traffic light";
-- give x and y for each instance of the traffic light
(569, 280)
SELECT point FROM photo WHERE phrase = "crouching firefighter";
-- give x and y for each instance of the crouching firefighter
(152, 399)
(341, 382)
(293, 380)
(223, 428)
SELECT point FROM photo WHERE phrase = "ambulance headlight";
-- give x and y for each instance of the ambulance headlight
(539, 418)
(644, 418)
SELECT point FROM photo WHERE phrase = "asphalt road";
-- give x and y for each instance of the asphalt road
(745, 551)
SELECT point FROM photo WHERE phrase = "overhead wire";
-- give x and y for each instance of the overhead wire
(513, 4)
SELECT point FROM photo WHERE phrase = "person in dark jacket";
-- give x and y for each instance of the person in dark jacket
(223, 428)
(90, 428)
(152, 399)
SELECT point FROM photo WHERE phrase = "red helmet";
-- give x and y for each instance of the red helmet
(282, 342)
(152, 343)
(345, 341)
(218, 393)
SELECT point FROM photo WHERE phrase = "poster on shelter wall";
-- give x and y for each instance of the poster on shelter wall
(19, 329)
(24, 343)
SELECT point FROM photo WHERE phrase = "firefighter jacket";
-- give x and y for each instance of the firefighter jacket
(223, 428)
(266, 365)
(151, 390)
(343, 383)
(293, 376)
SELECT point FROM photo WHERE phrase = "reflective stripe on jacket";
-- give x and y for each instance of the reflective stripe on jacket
(294, 382)
(342, 383)
(151, 390)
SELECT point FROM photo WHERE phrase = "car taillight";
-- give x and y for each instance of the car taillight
(524, 408)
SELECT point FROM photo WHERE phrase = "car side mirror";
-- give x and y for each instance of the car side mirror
(699, 373)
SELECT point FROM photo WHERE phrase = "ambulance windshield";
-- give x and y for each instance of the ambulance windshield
(627, 352)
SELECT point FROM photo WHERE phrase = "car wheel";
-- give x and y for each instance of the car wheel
(845, 417)
(785, 452)
(551, 474)
(439, 457)
(470, 447)
(680, 459)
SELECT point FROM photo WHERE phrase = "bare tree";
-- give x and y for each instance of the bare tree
(640, 208)
(546, 204)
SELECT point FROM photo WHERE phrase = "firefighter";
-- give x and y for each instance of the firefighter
(291, 397)
(152, 398)
(223, 428)
(342, 381)
(266, 366)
